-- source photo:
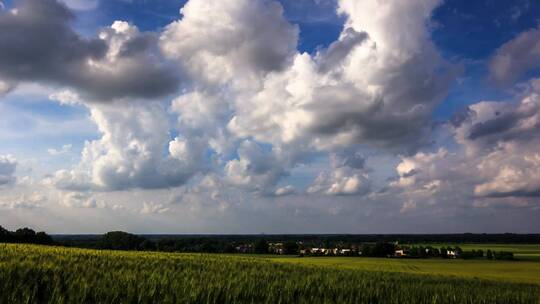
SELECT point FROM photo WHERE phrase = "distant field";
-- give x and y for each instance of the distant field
(525, 270)
(511, 271)
(39, 274)
(521, 251)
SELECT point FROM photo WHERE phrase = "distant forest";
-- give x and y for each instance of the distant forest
(25, 235)
(328, 240)
(259, 243)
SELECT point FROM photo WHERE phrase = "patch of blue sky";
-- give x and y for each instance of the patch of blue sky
(469, 32)
(474, 29)
(31, 124)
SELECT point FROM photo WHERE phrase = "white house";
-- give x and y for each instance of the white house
(400, 253)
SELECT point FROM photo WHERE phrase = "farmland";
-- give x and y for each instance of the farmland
(525, 270)
(511, 271)
(37, 274)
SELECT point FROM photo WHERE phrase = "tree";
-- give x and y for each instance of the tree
(43, 238)
(291, 247)
(5, 235)
(261, 247)
(147, 245)
(444, 253)
(367, 250)
(489, 255)
(229, 248)
(383, 249)
(25, 235)
(118, 240)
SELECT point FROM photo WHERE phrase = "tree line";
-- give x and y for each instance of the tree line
(25, 235)
(301, 245)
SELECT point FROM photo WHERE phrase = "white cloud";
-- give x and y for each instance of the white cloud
(286, 190)
(130, 152)
(80, 200)
(223, 41)
(24, 201)
(340, 181)
(255, 169)
(346, 177)
(66, 97)
(496, 161)
(252, 93)
(372, 86)
(64, 150)
(153, 208)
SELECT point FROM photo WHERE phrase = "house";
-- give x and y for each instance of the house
(345, 251)
(401, 253)
(243, 248)
(452, 253)
(277, 248)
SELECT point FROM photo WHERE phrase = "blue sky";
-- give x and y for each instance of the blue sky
(281, 111)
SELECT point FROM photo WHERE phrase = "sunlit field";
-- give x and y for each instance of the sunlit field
(510, 271)
(525, 269)
(40, 274)
(521, 251)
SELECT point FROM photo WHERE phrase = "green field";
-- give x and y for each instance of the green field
(525, 270)
(40, 274)
(511, 271)
(521, 251)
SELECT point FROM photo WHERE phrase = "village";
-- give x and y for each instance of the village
(388, 250)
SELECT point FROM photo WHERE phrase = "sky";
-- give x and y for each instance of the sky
(266, 116)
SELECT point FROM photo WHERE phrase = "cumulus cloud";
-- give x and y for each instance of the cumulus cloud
(368, 87)
(496, 159)
(130, 153)
(423, 174)
(286, 190)
(80, 200)
(505, 138)
(64, 150)
(66, 97)
(25, 201)
(153, 208)
(516, 57)
(121, 62)
(8, 164)
(222, 41)
(255, 169)
(252, 107)
(346, 177)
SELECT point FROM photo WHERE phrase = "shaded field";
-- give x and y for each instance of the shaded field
(39, 274)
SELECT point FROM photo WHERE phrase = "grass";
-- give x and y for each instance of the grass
(40, 274)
